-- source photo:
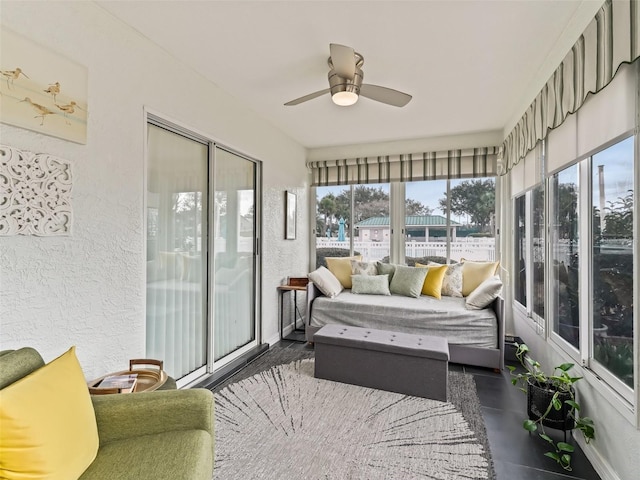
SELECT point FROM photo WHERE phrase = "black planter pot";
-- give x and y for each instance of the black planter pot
(538, 400)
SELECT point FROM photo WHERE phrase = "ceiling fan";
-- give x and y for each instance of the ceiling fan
(345, 82)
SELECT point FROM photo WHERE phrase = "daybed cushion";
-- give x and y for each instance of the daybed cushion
(486, 293)
(48, 426)
(425, 315)
(341, 268)
(408, 281)
(433, 282)
(326, 282)
(370, 284)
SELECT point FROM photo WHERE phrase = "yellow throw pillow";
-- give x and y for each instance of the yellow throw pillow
(474, 273)
(341, 268)
(433, 281)
(47, 423)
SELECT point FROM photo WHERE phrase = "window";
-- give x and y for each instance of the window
(538, 249)
(612, 174)
(372, 220)
(367, 231)
(435, 229)
(529, 253)
(472, 207)
(439, 229)
(426, 222)
(565, 255)
(520, 257)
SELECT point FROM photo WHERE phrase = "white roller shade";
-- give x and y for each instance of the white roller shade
(610, 113)
(527, 174)
(517, 179)
(561, 144)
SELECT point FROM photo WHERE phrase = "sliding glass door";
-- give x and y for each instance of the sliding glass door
(202, 259)
(235, 240)
(177, 244)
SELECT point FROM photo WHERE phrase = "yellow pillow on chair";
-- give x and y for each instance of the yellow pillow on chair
(47, 423)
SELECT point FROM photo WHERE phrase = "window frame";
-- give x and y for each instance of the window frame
(625, 399)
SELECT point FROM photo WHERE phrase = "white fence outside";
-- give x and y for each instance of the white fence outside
(470, 249)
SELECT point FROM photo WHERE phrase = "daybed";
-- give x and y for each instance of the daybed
(475, 337)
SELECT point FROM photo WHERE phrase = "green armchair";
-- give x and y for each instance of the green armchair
(156, 435)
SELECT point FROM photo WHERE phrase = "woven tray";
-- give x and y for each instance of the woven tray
(148, 380)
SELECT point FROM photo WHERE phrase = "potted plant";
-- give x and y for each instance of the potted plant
(551, 402)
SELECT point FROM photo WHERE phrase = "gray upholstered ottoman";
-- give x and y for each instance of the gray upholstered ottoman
(397, 362)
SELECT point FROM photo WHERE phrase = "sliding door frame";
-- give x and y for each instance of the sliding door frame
(163, 121)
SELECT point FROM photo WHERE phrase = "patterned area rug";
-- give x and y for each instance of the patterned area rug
(283, 423)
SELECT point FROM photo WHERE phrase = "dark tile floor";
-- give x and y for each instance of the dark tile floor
(516, 454)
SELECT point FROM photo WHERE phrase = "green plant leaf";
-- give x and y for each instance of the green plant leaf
(575, 379)
(565, 447)
(530, 426)
(565, 367)
(547, 438)
(586, 420)
(572, 404)
(553, 455)
(557, 404)
(565, 462)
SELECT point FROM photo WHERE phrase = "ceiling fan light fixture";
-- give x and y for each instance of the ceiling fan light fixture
(344, 99)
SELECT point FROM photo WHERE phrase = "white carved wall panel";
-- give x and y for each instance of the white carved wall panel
(35, 193)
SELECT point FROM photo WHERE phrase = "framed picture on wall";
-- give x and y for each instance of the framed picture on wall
(290, 216)
(42, 90)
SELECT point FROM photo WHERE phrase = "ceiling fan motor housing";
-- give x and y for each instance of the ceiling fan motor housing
(342, 84)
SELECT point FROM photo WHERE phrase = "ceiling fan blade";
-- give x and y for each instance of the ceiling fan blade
(385, 95)
(344, 60)
(311, 96)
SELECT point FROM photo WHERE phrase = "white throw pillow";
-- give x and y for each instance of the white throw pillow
(485, 293)
(326, 281)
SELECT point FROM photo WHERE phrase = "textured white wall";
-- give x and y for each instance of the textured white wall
(88, 289)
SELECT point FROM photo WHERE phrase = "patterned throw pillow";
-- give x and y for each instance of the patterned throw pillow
(363, 268)
(370, 284)
(452, 282)
(408, 281)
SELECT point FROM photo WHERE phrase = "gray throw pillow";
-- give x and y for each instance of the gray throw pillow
(386, 269)
(408, 281)
(370, 284)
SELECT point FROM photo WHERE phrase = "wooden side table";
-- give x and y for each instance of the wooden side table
(295, 285)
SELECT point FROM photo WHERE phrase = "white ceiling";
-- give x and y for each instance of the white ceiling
(471, 66)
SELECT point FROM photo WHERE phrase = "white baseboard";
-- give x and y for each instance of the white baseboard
(599, 463)
(275, 338)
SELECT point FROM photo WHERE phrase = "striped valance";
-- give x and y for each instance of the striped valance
(411, 167)
(611, 39)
